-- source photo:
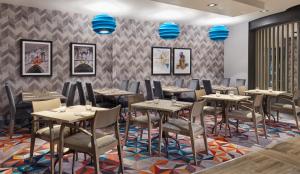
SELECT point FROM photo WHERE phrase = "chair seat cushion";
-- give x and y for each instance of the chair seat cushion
(245, 115)
(82, 142)
(45, 132)
(283, 106)
(144, 119)
(212, 109)
(180, 125)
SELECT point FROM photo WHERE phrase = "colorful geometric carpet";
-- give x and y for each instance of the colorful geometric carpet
(14, 152)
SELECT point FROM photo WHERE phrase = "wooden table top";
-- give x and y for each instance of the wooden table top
(112, 92)
(226, 97)
(174, 89)
(265, 92)
(33, 96)
(162, 105)
(71, 115)
(223, 88)
(281, 158)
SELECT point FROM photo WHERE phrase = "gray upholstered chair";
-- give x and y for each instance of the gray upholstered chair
(124, 85)
(71, 95)
(186, 127)
(142, 120)
(287, 103)
(95, 142)
(44, 133)
(247, 114)
(226, 82)
(240, 82)
(179, 83)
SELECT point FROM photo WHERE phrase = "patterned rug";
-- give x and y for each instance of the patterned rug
(14, 152)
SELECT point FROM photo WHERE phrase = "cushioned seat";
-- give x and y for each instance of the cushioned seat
(144, 119)
(284, 106)
(245, 114)
(83, 141)
(45, 132)
(212, 109)
(182, 125)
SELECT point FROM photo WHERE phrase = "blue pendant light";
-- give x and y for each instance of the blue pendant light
(218, 32)
(104, 24)
(169, 30)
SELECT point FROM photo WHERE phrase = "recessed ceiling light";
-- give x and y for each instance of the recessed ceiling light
(263, 11)
(212, 5)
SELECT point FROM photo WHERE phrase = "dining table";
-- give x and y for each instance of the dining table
(40, 95)
(165, 109)
(65, 115)
(267, 100)
(175, 89)
(223, 89)
(112, 92)
(226, 99)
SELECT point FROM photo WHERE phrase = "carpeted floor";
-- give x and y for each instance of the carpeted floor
(14, 152)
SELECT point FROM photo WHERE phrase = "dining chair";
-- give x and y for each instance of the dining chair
(124, 85)
(158, 92)
(240, 82)
(149, 90)
(226, 82)
(16, 108)
(190, 96)
(179, 83)
(49, 133)
(207, 87)
(244, 113)
(82, 99)
(134, 87)
(96, 102)
(288, 104)
(71, 95)
(141, 119)
(96, 141)
(65, 90)
(186, 127)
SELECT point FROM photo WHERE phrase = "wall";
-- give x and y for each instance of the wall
(236, 53)
(123, 55)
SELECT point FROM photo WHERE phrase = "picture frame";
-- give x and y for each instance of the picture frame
(83, 59)
(36, 57)
(161, 60)
(182, 61)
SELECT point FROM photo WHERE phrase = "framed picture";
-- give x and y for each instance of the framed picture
(182, 61)
(83, 59)
(161, 61)
(36, 58)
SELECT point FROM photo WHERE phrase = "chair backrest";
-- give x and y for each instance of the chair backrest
(158, 92)
(124, 85)
(106, 118)
(197, 110)
(149, 90)
(134, 99)
(82, 100)
(241, 90)
(65, 89)
(240, 82)
(226, 82)
(179, 83)
(11, 99)
(194, 84)
(207, 87)
(71, 95)
(257, 104)
(134, 87)
(199, 94)
(45, 105)
(90, 92)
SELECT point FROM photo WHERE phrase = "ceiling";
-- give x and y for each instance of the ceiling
(195, 12)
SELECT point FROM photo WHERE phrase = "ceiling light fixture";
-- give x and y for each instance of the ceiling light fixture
(212, 5)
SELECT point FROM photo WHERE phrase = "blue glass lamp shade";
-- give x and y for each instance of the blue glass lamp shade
(104, 24)
(169, 30)
(218, 32)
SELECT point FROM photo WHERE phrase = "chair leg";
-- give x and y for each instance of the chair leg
(226, 126)
(52, 149)
(11, 126)
(149, 140)
(205, 143)
(296, 119)
(160, 138)
(265, 128)
(256, 133)
(126, 132)
(120, 157)
(141, 135)
(277, 115)
(237, 126)
(32, 143)
(96, 163)
(193, 149)
(73, 162)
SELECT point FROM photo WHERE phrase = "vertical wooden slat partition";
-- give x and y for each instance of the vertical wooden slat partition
(277, 63)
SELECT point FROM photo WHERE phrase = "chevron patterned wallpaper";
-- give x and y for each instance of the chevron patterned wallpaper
(126, 54)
